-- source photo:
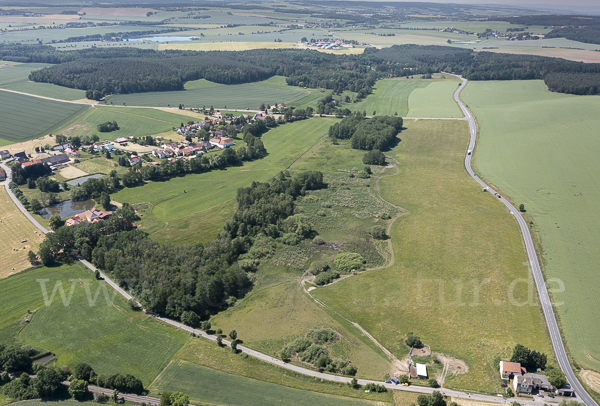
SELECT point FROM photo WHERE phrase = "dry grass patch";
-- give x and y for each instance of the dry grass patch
(29, 146)
(579, 55)
(70, 172)
(591, 379)
(14, 228)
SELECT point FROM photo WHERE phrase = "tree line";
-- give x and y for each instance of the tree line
(377, 133)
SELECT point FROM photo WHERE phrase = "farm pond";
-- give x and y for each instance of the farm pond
(67, 208)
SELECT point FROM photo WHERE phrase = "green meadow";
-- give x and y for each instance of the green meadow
(452, 239)
(206, 94)
(205, 385)
(132, 122)
(411, 98)
(15, 77)
(105, 334)
(195, 207)
(25, 117)
(541, 149)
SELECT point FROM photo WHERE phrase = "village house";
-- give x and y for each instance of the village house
(21, 157)
(29, 163)
(134, 159)
(221, 142)
(71, 151)
(88, 217)
(61, 147)
(5, 154)
(510, 369)
(220, 133)
(529, 382)
(2, 174)
(158, 153)
(121, 140)
(57, 159)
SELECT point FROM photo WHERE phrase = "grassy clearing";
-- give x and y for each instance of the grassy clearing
(107, 335)
(435, 100)
(226, 389)
(161, 203)
(247, 95)
(132, 121)
(389, 96)
(14, 228)
(547, 159)
(227, 46)
(16, 123)
(207, 354)
(452, 234)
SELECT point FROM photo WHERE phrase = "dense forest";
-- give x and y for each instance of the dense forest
(173, 279)
(107, 71)
(377, 133)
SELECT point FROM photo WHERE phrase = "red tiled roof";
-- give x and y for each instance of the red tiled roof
(513, 367)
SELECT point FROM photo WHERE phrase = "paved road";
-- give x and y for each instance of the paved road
(17, 202)
(557, 343)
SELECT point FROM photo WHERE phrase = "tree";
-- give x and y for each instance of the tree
(84, 372)
(205, 325)
(403, 379)
(374, 157)
(97, 275)
(78, 389)
(32, 257)
(522, 208)
(219, 341)
(189, 318)
(354, 383)
(233, 335)
(234, 345)
(433, 383)
(556, 377)
(179, 399)
(165, 398)
(378, 232)
(105, 201)
(56, 222)
(14, 359)
(413, 340)
(48, 382)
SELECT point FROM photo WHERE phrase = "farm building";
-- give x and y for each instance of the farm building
(5, 154)
(529, 382)
(421, 371)
(56, 159)
(221, 142)
(88, 216)
(509, 369)
(21, 157)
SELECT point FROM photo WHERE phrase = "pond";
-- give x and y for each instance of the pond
(79, 181)
(164, 39)
(67, 208)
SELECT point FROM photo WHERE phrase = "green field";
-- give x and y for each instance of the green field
(110, 337)
(435, 100)
(410, 98)
(25, 117)
(170, 214)
(15, 77)
(546, 158)
(132, 122)
(418, 37)
(452, 236)
(219, 388)
(247, 95)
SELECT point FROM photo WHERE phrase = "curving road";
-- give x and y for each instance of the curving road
(546, 303)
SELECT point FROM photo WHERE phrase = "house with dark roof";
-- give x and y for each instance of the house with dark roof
(5, 154)
(57, 159)
(530, 382)
(21, 157)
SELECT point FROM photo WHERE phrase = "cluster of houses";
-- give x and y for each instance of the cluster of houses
(88, 217)
(528, 383)
(327, 44)
(52, 160)
(186, 148)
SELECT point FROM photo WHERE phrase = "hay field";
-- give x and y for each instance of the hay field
(435, 100)
(541, 149)
(15, 227)
(418, 37)
(452, 237)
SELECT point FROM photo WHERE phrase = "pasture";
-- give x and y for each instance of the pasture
(226, 389)
(90, 328)
(189, 202)
(25, 117)
(15, 77)
(132, 122)
(247, 95)
(411, 98)
(546, 158)
(453, 239)
(15, 228)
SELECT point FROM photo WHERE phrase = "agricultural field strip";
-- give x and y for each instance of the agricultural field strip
(557, 343)
(268, 358)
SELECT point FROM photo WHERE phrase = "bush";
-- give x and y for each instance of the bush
(378, 232)
(290, 239)
(78, 389)
(349, 261)
(189, 318)
(385, 216)
(323, 335)
(321, 213)
(433, 383)
(413, 340)
(325, 278)
(318, 267)
(301, 344)
(318, 240)
(374, 157)
(326, 205)
(312, 353)
(310, 199)
(84, 372)
(373, 387)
